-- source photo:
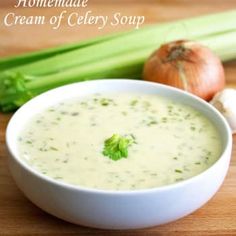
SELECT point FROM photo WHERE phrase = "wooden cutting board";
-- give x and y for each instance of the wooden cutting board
(18, 216)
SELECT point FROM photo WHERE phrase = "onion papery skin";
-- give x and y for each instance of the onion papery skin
(186, 65)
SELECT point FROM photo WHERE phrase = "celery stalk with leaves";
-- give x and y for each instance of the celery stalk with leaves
(121, 55)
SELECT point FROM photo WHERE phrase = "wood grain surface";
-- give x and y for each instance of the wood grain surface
(18, 216)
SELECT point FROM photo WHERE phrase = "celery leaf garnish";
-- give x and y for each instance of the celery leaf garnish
(116, 147)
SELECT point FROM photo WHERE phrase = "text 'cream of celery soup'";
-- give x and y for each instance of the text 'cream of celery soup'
(120, 142)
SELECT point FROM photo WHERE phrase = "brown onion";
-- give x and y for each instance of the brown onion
(186, 65)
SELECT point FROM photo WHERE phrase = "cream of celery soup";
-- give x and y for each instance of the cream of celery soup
(120, 142)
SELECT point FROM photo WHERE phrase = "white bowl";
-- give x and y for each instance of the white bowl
(116, 209)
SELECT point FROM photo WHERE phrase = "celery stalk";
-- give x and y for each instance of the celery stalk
(121, 56)
(22, 59)
(135, 58)
(155, 35)
(223, 45)
(123, 65)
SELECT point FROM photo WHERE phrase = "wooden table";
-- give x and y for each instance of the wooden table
(18, 216)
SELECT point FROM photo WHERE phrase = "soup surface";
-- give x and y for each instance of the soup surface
(171, 142)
